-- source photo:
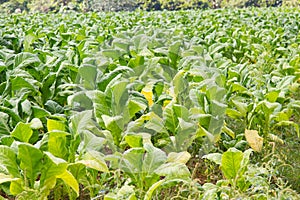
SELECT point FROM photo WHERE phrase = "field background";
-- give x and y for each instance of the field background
(149, 100)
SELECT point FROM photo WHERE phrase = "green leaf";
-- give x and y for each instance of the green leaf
(88, 73)
(245, 161)
(115, 126)
(52, 167)
(9, 160)
(171, 120)
(4, 129)
(149, 193)
(155, 123)
(231, 163)
(135, 106)
(180, 83)
(38, 112)
(134, 140)
(19, 83)
(94, 160)
(57, 144)
(132, 162)
(28, 40)
(91, 142)
(78, 170)
(173, 170)
(127, 192)
(24, 59)
(214, 157)
(22, 132)
(119, 96)
(111, 53)
(31, 161)
(154, 158)
(53, 107)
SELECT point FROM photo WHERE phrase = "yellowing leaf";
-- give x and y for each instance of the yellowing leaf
(254, 140)
(69, 179)
(166, 102)
(181, 157)
(55, 125)
(147, 92)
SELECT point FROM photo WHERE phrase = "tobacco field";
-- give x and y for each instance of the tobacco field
(150, 105)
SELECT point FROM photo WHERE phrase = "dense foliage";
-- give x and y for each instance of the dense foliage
(130, 5)
(150, 105)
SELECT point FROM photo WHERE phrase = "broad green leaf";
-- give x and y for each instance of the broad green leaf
(245, 161)
(173, 170)
(90, 141)
(164, 183)
(114, 54)
(171, 120)
(174, 53)
(214, 157)
(53, 107)
(24, 59)
(4, 129)
(39, 112)
(119, 96)
(134, 140)
(127, 192)
(94, 160)
(135, 106)
(115, 126)
(28, 40)
(78, 170)
(58, 144)
(155, 123)
(181, 112)
(9, 160)
(19, 83)
(109, 77)
(132, 162)
(231, 163)
(180, 83)
(88, 74)
(52, 168)
(79, 101)
(22, 132)
(272, 96)
(31, 161)
(153, 158)
(82, 121)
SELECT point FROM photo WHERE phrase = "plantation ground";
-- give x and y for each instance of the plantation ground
(150, 105)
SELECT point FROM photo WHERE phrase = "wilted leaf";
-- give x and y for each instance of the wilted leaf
(254, 140)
